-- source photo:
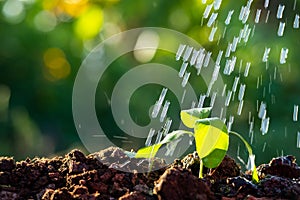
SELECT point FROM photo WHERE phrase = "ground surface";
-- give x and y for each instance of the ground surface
(95, 176)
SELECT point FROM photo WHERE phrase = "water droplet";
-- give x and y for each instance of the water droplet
(149, 137)
(229, 16)
(185, 79)
(212, 19)
(257, 16)
(164, 111)
(295, 114)
(212, 34)
(281, 29)
(207, 11)
(180, 51)
(280, 11)
(182, 69)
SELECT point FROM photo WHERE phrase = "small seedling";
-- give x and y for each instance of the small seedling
(211, 136)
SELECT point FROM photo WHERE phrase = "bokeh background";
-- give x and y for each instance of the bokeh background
(43, 42)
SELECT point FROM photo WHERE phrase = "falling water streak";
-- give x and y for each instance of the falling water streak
(257, 16)
(241, 92)
(281, 29)
(261, 80)
(207, 59)
(164, 111)
(247, 35)
(194, 57)
(283, 55)
(242, 12)
(251, 137)
(212, 34)
(220, 54)
(249, 117)
(296, 21)
(207, 11)
(275, 73)
(270, 88)
(262, 110)
(158, 103)
(221, 113)
(253, 31)
(230, 122)
(217, 4)
(213, 99)
(203, 1)
(285, 131)
(224, 32)
(251, 127)
(281, 77)
(264, 92)
(240, 67)
(266, 54)
(158, 137)
(149, 137)
(246, 73)
(273, 99)
(228, 98)
(234, 44)
(266, 4)
(294, 6)
(183, 96)
(280, 11)
(235, 83)
(182, 69)
(180, 51)
(246, 15)
(187, 53)
(228, 50)
(295, 114)
(200, 60)
(167, 126)
(229, 16)
(265, 125)
(267, 17)
(257, 83)
(215, 73)
(264, 147)
(219, 39)
(201, 100)
(185, 79)
(240, 108)
(224, 90)
(212, 19)
(298, 139)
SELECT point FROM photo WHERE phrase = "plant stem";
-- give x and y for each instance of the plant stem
(201, 169)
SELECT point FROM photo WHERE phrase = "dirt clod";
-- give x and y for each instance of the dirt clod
(98, 177)
(180, 184)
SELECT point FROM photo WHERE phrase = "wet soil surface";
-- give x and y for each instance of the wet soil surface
(96, 176)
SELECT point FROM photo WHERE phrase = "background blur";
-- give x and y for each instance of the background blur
(43, 42)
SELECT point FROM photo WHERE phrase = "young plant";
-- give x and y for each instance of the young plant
(211, 138)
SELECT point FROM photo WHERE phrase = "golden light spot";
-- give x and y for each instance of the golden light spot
(73, 8)
(89, 23)
(56, 64)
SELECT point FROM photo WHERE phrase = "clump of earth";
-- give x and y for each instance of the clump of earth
(96, 177)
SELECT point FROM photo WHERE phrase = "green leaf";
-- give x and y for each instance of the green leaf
(212, 160)
(148, 152)
(212, 141)
(151, 151)
(189, 117)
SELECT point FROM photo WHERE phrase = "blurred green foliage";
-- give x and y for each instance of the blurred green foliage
(44, 42)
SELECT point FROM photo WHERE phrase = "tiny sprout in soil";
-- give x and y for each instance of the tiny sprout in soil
(211, 136)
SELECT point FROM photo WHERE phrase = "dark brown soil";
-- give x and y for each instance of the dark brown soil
(95, 176)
